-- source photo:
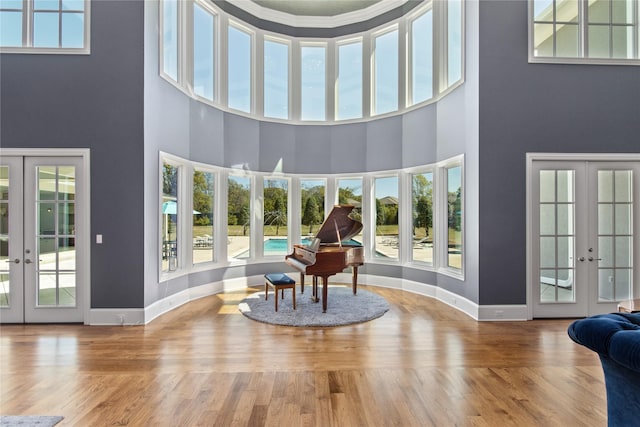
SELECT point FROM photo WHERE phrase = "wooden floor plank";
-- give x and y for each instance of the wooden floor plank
(204, 364)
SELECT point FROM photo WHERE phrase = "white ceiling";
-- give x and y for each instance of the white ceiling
(317, 13)
(316, 7)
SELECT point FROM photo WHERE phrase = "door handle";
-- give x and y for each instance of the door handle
(581, 259)
(27, 261)
(15, 261)
(594, 259)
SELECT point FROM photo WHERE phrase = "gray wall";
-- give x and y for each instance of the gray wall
(536, 108)
(92, 101)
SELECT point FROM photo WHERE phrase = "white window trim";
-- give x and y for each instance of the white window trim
(27, 35)
(441, 219)
(582, 34)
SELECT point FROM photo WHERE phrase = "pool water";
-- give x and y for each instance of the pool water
(274, 247)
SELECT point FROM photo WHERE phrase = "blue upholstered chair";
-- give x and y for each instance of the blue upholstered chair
(616, 339)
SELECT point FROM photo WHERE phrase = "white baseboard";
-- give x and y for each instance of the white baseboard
(142, 316)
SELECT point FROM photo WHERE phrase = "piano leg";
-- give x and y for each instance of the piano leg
(355, 279)
(314, 288)
(325, 283)
(302, 283)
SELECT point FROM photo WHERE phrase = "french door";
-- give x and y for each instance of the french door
(584, 242)
(43, 258)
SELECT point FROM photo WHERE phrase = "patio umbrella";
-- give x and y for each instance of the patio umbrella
(170, 208)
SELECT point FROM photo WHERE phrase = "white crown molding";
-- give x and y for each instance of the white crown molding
(318, 21)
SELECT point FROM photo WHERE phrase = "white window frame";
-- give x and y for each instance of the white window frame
(27, 34)
(260, 99)
(216, 49)
(185, 66)
(407, 201)
(422, 11)
(441, 255)
(344, 42)
(183, 206)
(232, 23)
(583, 28)
(372, 67)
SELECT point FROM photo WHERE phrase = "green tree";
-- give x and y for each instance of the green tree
(203, 198)
(311, 215)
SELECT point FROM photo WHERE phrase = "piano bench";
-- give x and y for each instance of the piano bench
(279, 282)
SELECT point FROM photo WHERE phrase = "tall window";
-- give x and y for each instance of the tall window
(239, 70)
(312, 193)
(350, 193)
(203, 230)
(51, 24)
(239, 217)
(585, 29)
(313, 82)
(454, 217)
(203, 52)
(385, 73)
(422, 58)
(422, 209)
(387, 234)
(275, 216)
(454, 41)
(170, 38)
(276, 79)
(170, 216)
(349, 81)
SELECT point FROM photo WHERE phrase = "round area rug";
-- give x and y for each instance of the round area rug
(343, 308)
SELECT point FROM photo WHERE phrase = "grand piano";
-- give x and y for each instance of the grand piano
(327, 255)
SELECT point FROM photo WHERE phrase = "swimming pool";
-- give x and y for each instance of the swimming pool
(274, 246)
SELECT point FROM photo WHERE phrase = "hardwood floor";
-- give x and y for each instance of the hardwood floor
(421, 364)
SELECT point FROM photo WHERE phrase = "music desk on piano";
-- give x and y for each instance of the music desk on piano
(327, 255)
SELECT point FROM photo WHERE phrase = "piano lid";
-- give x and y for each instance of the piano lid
(338, 218)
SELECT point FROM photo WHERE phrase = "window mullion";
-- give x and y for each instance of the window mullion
(258, 66)
(367, 66)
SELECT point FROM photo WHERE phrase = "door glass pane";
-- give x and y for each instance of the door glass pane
(605, 186)
(605, 218)
(543, 38)
(614, 255)
(56, 255)
(622, 184)
(565, 189)
(599, 11)
(46, 29)
(312, 193)
(275, 217)
(239, 217)
(557, 236)
(547, 186)
(547, 219)
(72, 30)
(4, 236)
(203, 250)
